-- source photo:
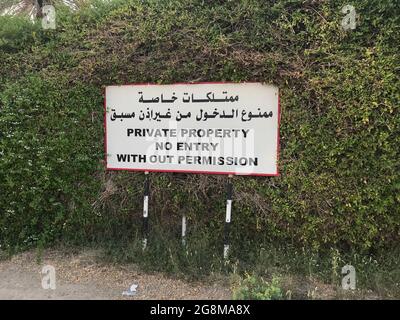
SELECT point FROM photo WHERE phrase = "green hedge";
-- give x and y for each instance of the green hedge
(340, 127)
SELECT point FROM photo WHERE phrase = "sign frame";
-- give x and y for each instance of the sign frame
(191, 171)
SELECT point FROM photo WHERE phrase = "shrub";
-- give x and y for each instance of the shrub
(256, 288)
(340, 128)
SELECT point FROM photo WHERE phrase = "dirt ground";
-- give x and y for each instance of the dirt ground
(82, 276)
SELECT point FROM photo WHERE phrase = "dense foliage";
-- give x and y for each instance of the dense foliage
(340, 124)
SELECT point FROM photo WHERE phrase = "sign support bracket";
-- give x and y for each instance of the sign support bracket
(229, 193)
(184, 229)
(146, 195)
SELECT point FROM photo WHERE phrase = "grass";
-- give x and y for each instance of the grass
(302, 273)
(253, 271)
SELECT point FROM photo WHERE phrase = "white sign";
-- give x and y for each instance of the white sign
(216, 128)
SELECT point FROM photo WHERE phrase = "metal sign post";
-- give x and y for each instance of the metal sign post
(229, 191)
(146, 209)
(184, 229)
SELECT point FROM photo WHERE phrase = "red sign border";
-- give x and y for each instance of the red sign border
(189, 171)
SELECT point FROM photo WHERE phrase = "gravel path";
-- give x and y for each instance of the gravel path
(81, 276)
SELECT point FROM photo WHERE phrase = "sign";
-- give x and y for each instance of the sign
(216, 128)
